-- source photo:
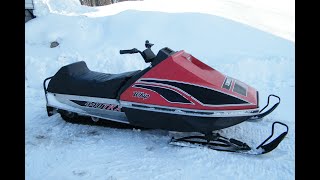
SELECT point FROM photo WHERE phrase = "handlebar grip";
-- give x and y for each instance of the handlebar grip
(125, 51)
(129, 51)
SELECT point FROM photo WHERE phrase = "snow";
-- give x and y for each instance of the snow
(250, 40)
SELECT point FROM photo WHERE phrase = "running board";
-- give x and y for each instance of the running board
(57, 102)
(102, 108)
(51, 110)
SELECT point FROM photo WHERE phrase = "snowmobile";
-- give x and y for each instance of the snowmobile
(177, 92)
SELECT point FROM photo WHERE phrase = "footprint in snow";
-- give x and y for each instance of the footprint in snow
(93, 133)
(41, 137)
(149, 148)
(79, 173)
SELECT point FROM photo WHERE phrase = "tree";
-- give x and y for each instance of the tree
(95, 2)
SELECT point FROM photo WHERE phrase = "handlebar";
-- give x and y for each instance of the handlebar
(129, 51)
(147, 54)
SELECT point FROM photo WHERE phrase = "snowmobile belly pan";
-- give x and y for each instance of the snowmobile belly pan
(182, 123)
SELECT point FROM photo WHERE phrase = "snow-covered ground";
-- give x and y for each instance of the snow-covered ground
(210, 30)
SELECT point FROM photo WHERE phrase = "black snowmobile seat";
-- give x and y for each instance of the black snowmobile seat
(77, 79)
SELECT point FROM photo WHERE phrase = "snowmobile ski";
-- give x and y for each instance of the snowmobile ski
(217, 142)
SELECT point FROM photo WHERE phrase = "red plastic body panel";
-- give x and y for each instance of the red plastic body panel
(183, 67)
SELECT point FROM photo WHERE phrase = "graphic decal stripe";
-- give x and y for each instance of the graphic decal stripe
(204, 95)
(168, 94)
(191, 112)
(103, 106)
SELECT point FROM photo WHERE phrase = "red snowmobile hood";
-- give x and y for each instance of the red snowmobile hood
(205, 87)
